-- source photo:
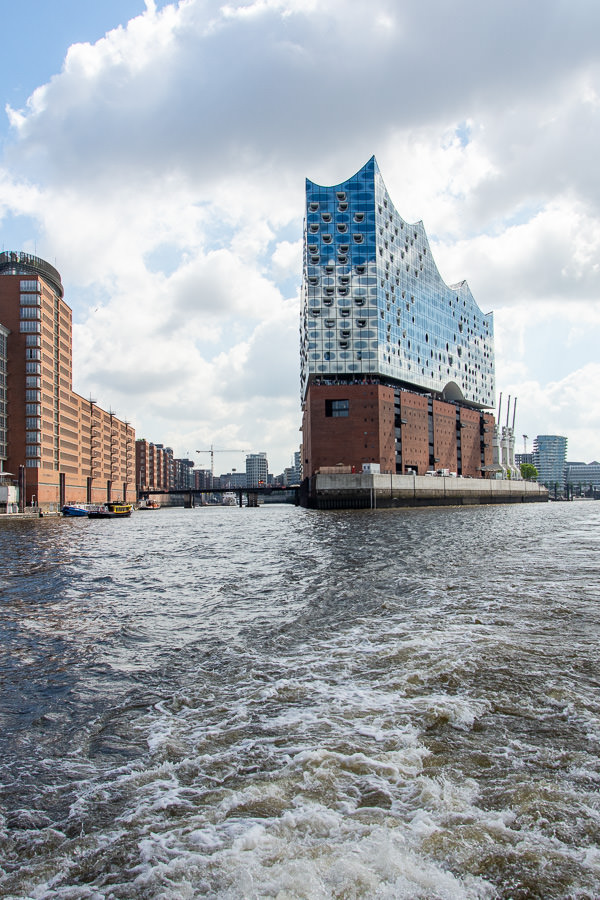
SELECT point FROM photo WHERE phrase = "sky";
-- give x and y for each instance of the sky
(156, 154)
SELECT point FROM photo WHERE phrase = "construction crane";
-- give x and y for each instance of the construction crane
(212, 452)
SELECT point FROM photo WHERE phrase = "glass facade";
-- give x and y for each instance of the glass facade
(374, 304)
(549, 458)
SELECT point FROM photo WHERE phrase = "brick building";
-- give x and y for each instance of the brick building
(154, 465)
(62, 447)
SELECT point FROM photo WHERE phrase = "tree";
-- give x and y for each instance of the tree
(528, 471)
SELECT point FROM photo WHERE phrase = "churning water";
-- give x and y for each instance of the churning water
(284, 703)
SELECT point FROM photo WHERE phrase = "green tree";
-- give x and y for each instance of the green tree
(528, 471)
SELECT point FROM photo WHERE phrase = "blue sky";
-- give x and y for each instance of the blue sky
(156, 154)
(44, 31)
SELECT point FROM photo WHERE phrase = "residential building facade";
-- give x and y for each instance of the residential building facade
(397, 368)
(549, 458)
(154, 466)
(257, 469)
(63, 447)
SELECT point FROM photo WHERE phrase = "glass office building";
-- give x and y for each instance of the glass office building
(374, 305)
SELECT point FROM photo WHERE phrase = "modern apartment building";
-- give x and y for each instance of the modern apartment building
(257, 469)
(62, 447)
(549, 458)
(397, 368)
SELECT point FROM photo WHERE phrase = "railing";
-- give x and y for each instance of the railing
(28, 263)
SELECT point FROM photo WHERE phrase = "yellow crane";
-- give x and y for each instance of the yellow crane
(212, 452)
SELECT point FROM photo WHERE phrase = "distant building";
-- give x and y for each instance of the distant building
(584, 476)
(154, 466)
(233, 480)
(397, 368)
(63, 448)
(293, 474)
(203, 479)
(521, 458)
(257, 469)
(183, 474)
(549, 457)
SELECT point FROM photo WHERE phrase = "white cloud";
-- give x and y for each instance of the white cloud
(165, 165)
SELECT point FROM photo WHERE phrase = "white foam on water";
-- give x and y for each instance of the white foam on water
(428, 747)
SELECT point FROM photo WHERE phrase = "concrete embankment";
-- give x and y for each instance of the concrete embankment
(362, 491)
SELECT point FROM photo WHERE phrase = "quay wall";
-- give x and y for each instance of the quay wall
(369, 491)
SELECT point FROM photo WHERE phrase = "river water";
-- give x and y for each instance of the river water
(287, 703)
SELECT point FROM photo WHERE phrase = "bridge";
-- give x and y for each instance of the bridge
(189, 496)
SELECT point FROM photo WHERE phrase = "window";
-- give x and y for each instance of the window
(337, 408)
(34, 327)
(30, 300)
(30, 286)
(33, 340)
(31, 312)
(33, 353)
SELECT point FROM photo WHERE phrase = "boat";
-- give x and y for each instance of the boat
(149, 504)
(112, 510)
(74, 509)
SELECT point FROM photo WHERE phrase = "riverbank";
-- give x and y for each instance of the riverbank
(372, 491)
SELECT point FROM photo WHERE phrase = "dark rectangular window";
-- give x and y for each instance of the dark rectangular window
(337, 408)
